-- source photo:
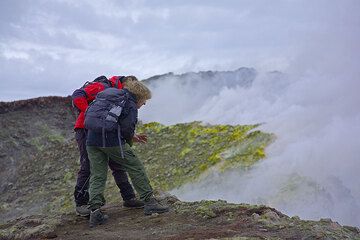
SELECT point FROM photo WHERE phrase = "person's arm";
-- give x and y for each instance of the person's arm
(81, 103)
(128, 124)
(140, 138)
(79, 99)
(83, 95)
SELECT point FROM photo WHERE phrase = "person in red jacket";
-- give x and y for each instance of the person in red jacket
(82, 97)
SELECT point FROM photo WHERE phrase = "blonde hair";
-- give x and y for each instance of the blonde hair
(141, 92)
(129, 79)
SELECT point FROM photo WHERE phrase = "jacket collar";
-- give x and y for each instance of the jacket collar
(131, 95)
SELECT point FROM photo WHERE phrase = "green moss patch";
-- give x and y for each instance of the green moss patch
(180, 153)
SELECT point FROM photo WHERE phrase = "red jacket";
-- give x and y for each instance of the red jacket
(83, 96)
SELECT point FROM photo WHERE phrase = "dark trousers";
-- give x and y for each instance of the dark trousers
(81, 192)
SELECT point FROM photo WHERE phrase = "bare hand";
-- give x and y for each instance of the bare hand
(140, 138)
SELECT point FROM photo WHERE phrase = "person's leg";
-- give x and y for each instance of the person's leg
(121, 180)
(81, 194)
(138, 177)
(135, 169)
(98, 168)
(126, 190)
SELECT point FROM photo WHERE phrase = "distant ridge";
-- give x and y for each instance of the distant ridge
(33, 102)
(238, 74)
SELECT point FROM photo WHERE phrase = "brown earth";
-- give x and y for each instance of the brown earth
(197, 220)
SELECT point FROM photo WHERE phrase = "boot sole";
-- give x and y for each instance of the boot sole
(83, 214)
(159, 212)
(133, 207)
(101, 223)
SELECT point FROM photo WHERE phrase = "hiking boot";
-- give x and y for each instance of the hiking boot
(83, 211)
(97, 218)
(153, 206)
(133, 203)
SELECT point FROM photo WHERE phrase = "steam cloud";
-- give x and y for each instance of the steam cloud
(312, 168)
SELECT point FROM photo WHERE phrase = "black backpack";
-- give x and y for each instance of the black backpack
(104, 112)
(101, 79)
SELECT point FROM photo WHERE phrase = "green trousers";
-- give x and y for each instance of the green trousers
(99, 156)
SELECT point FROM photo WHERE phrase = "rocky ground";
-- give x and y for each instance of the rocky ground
(39, 161)
(186, 220)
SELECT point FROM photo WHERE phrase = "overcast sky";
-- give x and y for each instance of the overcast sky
(52, 47)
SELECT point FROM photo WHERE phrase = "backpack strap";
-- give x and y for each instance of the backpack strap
(122, 78)
(85, 84)
(103, 136)
(119, 137)
(119, 79)
(117, 83)
(101, 79)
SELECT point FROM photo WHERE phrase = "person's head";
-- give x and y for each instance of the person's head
(129, 79)
(141, 92)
